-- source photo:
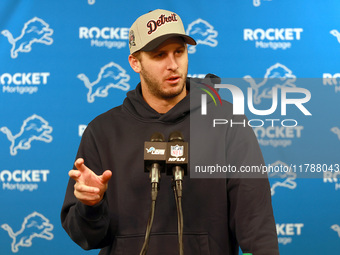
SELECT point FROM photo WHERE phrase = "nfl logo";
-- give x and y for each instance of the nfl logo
(177, 151)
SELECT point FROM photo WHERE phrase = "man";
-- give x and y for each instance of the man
(108, 209)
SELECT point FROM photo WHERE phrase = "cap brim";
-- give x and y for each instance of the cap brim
(159, 40)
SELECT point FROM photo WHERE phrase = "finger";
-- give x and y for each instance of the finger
(87, 197)
(81, 188)
(106, 176)
(74, 174)
(79, 164)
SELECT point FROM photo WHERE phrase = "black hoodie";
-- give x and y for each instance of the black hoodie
(220, 214)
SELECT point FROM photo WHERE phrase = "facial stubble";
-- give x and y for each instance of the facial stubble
(155, 88)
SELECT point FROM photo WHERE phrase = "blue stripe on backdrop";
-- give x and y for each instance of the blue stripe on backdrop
(50, 81)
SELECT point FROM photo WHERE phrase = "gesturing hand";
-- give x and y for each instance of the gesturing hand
(89, 188)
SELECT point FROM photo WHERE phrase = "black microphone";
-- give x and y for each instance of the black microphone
(177, 163)
(154, 156)
(177, 153)
(177, 159)
(212, 78)
(154, 163)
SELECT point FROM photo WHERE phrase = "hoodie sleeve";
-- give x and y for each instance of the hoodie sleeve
(251, 216)
(88, 226)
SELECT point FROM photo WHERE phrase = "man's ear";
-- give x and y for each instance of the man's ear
(135, 63)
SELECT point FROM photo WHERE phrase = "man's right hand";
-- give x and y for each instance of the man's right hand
(89, 188)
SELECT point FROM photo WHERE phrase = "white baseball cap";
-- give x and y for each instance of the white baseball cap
(153, 28)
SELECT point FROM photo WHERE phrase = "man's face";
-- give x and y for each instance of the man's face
(163, 71)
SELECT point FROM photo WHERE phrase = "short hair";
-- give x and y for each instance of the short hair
(137, 55)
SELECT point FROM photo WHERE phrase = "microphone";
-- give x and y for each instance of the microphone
(213, 79)
(154, 163)
(154, 156)
(177, 154)
(177, 163)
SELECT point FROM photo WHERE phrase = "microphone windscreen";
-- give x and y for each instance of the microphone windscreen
(176, 136)
(157, 137)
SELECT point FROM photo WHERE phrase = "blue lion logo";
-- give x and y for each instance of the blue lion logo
(336, 228)
(35, 31)
(336, 131)
(283, 179)
(110, 76)
(335, 33)
(256, 3)
(34, 225)
(33, 128)
(203, 33)
(277, 76)
(151, 149)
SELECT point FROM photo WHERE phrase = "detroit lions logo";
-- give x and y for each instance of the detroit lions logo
(283, 179)
(203, 33)
(34, 225)
(336, 228)
(278, 76)
(33, 128)
(35, 31)
(110, 76)
(91, 2)
(257, 3)
(336, 131)
(336, 34)
(151, 149)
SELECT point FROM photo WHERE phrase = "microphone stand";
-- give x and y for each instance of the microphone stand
(155, 177)
(177, 160)
(177, 188)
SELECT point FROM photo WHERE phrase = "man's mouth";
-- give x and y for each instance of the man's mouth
(173, 79)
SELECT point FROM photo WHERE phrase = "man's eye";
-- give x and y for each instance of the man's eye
(160, 55)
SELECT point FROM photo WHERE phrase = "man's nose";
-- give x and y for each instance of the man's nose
(172, 63)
